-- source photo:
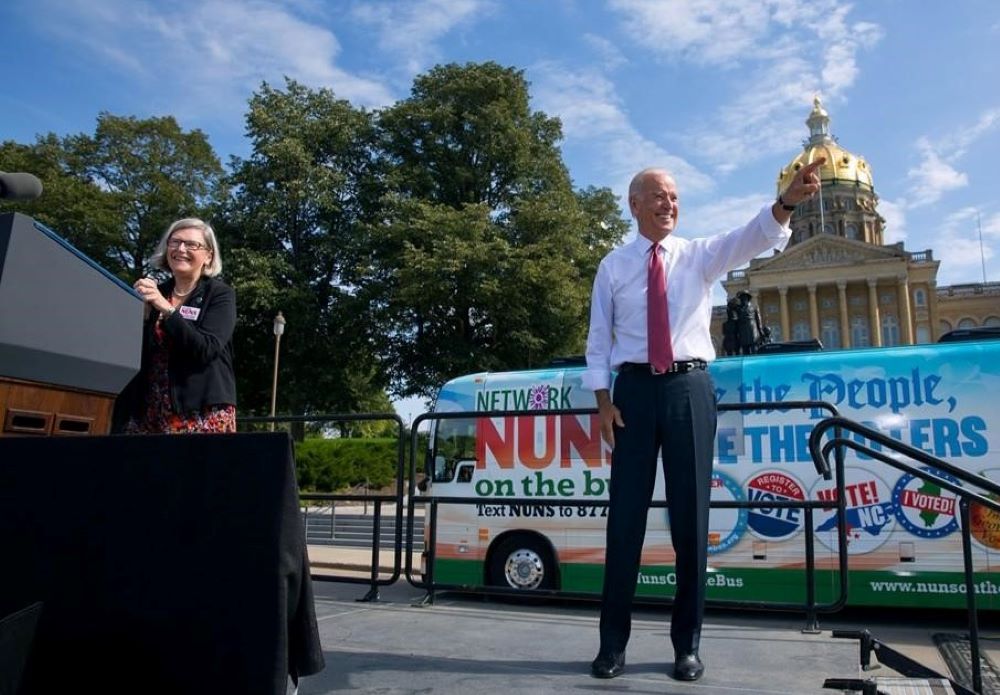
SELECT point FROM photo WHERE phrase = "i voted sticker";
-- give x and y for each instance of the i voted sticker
(190, 313)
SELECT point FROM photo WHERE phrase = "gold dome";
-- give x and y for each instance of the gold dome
(841, 166)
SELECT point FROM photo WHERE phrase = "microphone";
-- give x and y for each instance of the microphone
(19, 186)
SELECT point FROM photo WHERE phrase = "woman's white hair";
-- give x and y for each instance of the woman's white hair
(214, 265)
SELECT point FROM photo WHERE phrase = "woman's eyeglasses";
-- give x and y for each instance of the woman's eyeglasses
(175, 244)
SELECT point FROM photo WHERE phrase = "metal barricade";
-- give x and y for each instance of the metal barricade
(811, 608)
(375, 580)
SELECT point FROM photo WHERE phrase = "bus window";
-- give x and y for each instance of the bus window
(454, 441)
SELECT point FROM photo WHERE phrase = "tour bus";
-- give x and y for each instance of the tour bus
(903, 538)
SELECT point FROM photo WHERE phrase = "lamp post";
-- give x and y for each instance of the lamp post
(279, 328)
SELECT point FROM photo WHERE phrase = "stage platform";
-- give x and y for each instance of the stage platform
(472, 645)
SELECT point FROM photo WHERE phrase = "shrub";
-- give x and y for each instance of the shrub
(331, 465)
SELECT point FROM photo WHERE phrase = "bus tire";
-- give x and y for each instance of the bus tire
(522, 561)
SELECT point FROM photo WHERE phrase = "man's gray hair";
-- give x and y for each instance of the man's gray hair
(636, 184)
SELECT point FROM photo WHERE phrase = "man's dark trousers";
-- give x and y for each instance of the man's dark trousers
(675, 413)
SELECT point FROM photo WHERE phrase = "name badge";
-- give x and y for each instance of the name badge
(190, 313)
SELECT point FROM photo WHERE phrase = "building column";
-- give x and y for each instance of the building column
(873, 317)
(813, 311)
(845, 323)
(905, 312)
(786, 327)
(932, 306)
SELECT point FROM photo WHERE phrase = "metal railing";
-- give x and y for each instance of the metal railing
(821, 451)
(810, 606)
(374, 581)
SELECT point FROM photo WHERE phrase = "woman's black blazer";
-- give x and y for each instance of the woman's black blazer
(200, 339)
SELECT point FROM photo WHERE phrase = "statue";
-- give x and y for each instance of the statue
(730, 341)
(751, 333)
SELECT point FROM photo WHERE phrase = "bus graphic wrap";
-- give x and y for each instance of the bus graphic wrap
(902, 534)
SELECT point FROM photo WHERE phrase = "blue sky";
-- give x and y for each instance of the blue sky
(717, 91)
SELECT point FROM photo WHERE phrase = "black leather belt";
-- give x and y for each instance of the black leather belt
(676, 368)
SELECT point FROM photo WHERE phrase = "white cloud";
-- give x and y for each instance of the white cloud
(611, 56)
(936, 174)
(204, 58)
(958, 245)
(791, 50)
(593, 117)
(933, 177)
(894, 212)
(410, 30)
(959, 141)
(991, 226)
(713, 32)
(721, 215)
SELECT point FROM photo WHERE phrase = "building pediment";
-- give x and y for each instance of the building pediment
(827, 250)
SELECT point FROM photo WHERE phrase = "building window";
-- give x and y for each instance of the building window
(886, 298)
(890, 330)
(923, 334)
(967, 323)
(772, 308)
(776, 336)
(827, 303)
(992, 321)
(857, 300)
(800, 331)
(830, 333)
(859, 332)
(799, 305)
(828, 229)
(919, 297)
(944, 326)
(851, 231)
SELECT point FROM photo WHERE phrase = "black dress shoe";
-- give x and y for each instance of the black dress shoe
(608, 665)
(688, 667)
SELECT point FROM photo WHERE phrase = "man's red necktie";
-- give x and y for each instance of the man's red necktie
(661, 352)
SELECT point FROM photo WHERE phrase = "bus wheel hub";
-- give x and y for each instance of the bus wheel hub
(524, 569)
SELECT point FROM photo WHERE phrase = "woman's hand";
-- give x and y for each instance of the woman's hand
(150, 293)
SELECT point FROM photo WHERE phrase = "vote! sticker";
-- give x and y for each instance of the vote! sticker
(775, 523)
(870, 511)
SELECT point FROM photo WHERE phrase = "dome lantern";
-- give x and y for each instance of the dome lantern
(819, 124)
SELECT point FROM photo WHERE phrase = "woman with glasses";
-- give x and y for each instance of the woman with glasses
(186, 382)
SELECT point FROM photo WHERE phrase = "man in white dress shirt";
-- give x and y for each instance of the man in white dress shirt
(649, 322)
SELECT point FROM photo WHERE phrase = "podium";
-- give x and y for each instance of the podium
(70, 334)
(165, 564)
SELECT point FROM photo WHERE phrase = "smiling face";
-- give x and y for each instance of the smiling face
(187, 253)
(654, 203)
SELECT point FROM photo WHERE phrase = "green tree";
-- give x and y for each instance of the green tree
(153, 172)
(292, 220)
(483, 255)
(75, 208)
(114, 193)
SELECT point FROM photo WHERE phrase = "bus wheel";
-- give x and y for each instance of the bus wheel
(522, 562)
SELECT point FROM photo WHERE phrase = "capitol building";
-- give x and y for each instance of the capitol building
(838, 281)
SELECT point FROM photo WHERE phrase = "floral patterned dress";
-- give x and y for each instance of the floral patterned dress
(159, 417)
